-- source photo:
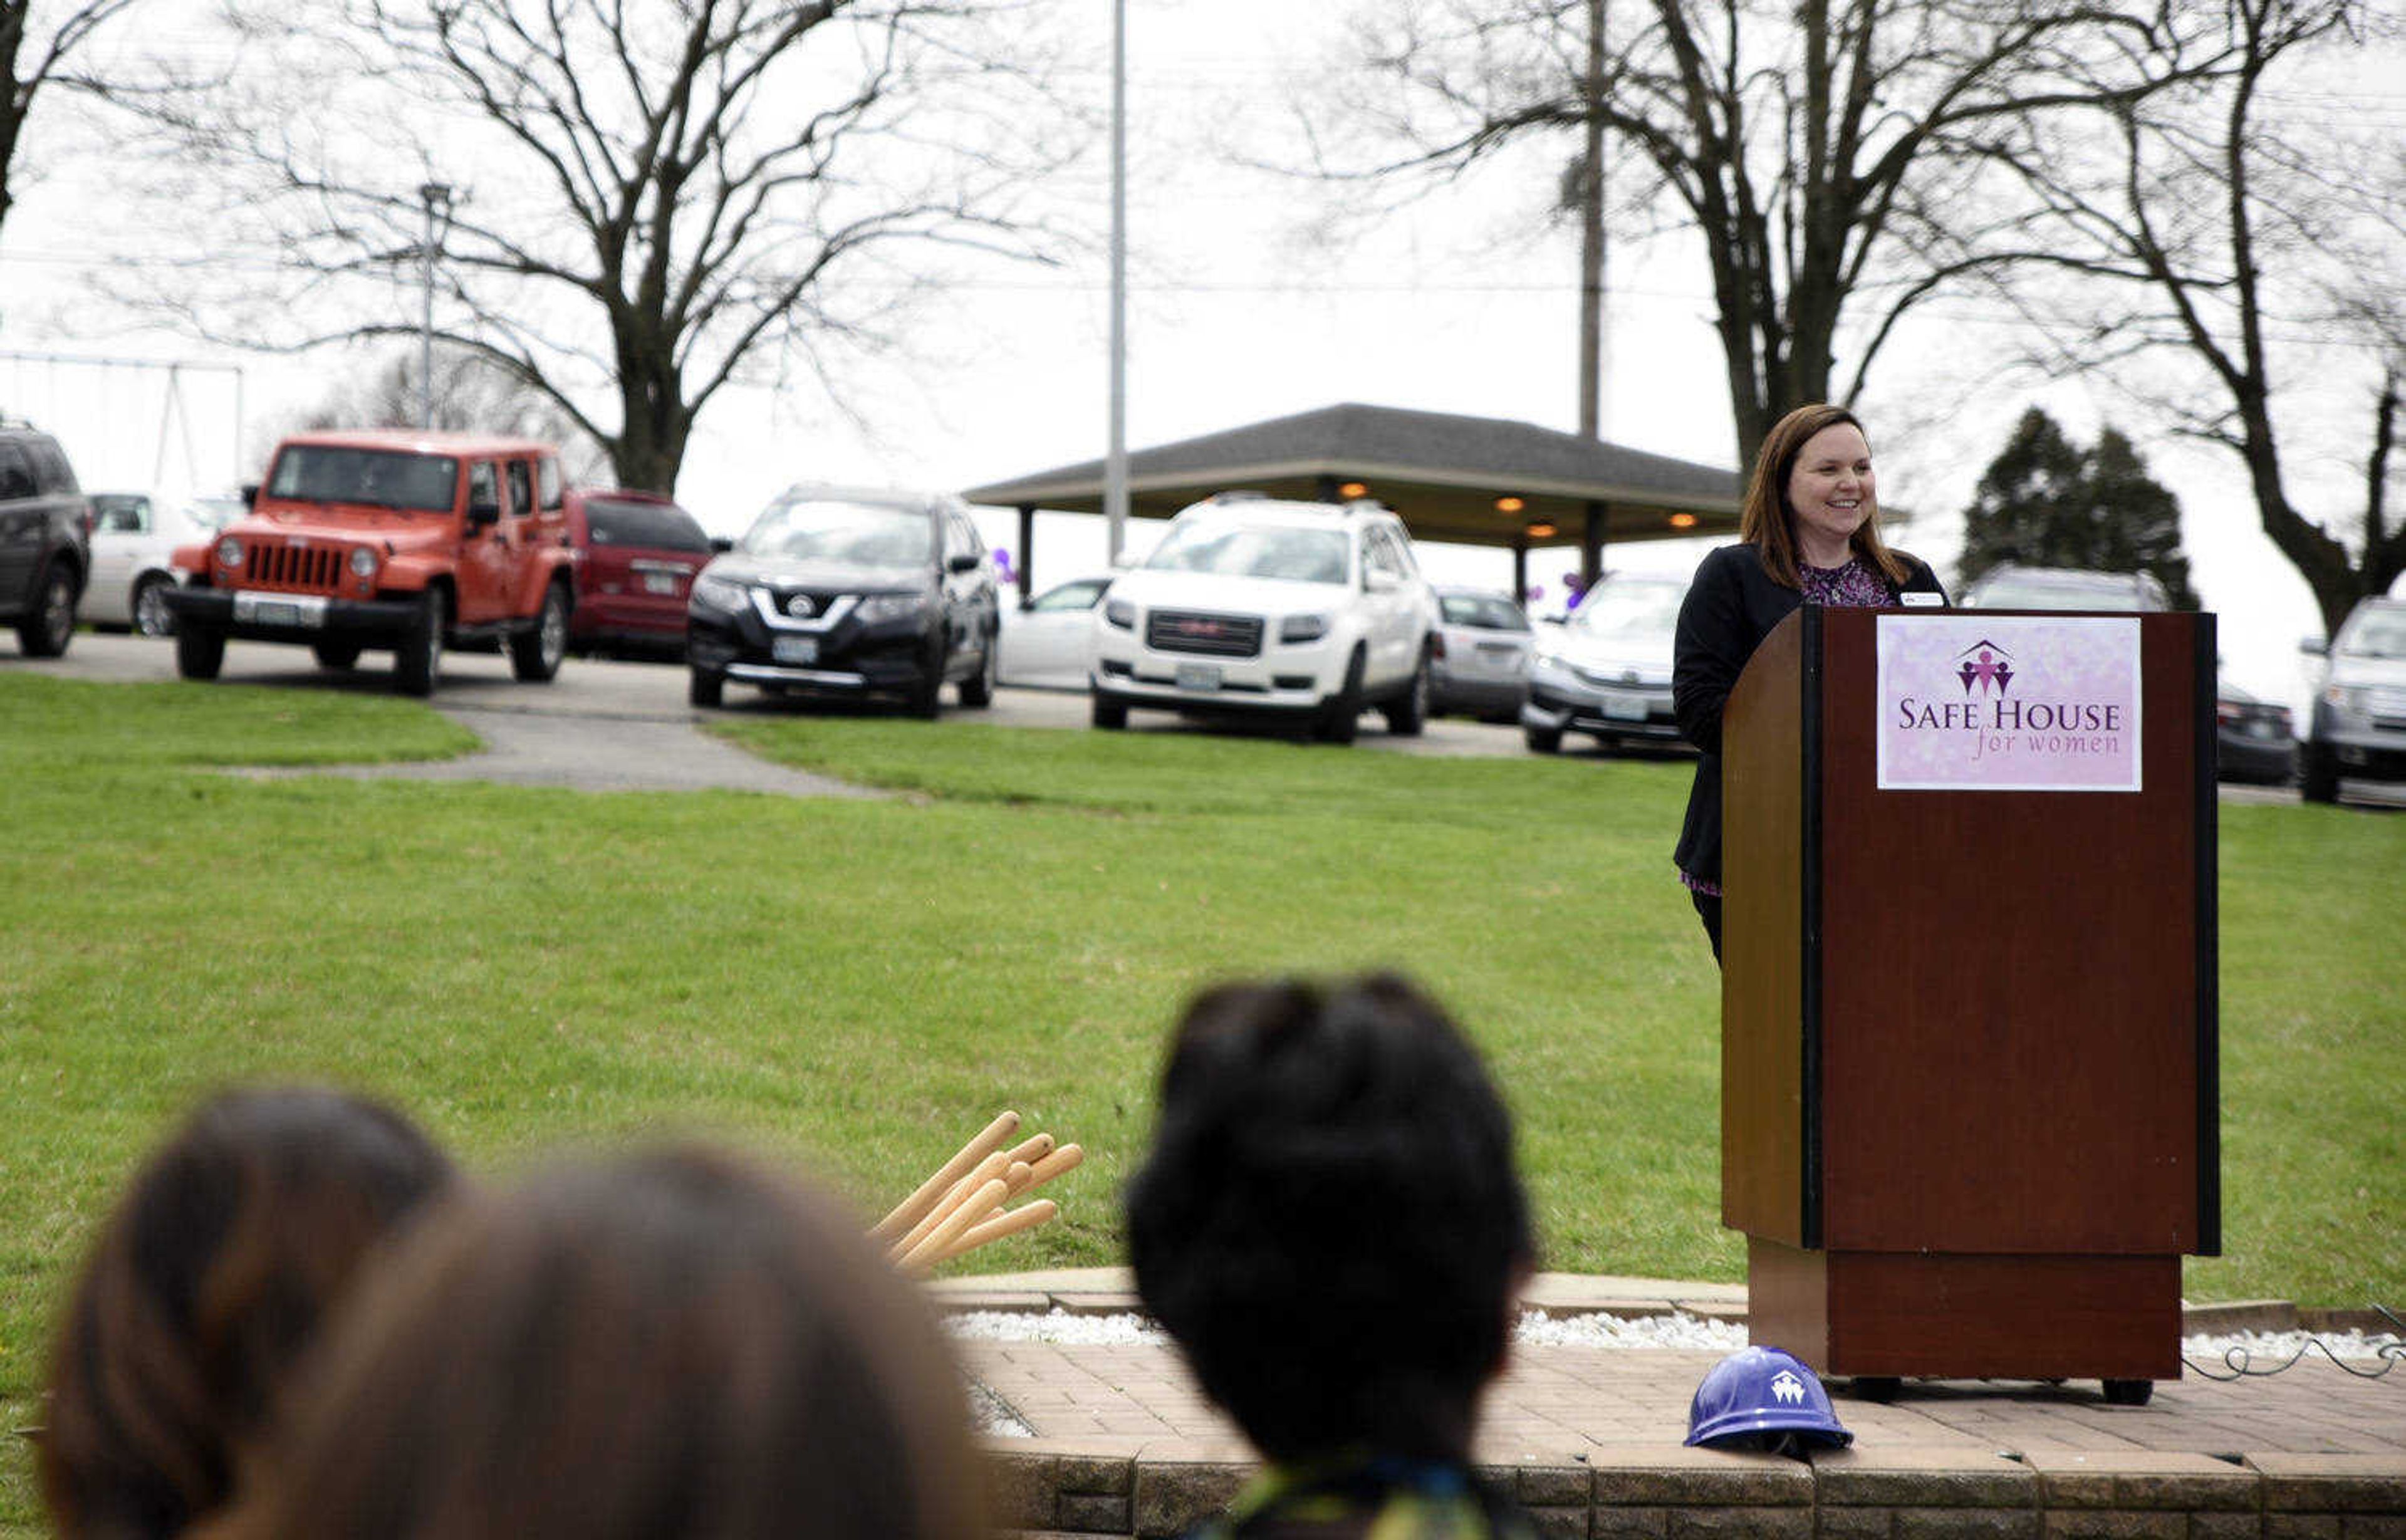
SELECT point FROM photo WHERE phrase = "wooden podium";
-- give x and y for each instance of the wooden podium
(1968, 1098)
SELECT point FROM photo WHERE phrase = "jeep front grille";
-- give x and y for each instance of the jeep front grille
(1214, 635)
(309, 569)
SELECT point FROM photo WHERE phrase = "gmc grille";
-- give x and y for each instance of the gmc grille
(311, 569)
(1213, 635)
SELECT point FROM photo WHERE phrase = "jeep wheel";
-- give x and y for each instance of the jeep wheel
(1111, 714)
(2317, 774)
(151, 616)
(535, 655)
(704, 687)
(46, 631)
(1409, 713)
(978, 688)
(1340, 718)
(419, 661)
(336, 656)
(1543, 740)
(199, 654)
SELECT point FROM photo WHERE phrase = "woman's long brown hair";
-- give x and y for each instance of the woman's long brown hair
(1767, 523)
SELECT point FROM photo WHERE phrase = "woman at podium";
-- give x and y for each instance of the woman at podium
(1809, 535)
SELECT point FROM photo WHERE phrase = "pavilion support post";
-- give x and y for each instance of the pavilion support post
(1519, 571)
(1027, 551)
(1591, 547)
(1328, 485)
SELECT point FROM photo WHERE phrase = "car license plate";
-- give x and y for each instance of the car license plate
(258, 608)
(659, 583)
(1199, 677)
(1624, 708)
(797, 649)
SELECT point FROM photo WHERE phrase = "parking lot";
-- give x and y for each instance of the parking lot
(544, 734)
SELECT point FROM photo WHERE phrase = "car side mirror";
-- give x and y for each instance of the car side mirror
(2314, 647)
(721, 544)
(961, 561)
(250, 494)
(480, 514)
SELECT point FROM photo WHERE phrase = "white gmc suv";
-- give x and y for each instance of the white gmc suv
(1304, 611)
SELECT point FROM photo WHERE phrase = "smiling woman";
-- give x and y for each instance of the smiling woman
(1809, 534)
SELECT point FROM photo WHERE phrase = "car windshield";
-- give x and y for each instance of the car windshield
(656, 526)
(2029, 591)
(119, 512)
(383, 478)
(1231, 549)
(1482, 613)
(2375, 633)
(1624, 608)
(859, 534)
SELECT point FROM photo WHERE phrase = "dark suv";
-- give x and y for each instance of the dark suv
(45, 540)
(841, 592)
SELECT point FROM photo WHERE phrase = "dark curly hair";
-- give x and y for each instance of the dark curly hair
(204, 1288)
(1330, 1223)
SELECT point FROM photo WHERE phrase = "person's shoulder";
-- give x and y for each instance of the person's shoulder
(1729, 563)
(1917, 572)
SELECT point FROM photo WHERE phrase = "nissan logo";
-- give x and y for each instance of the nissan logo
(800, 604)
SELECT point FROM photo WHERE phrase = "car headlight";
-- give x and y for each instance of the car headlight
(719, 594)
(1120, 612)
(228, 552)
(1303, 628)
(364, 560)
(881, 607)
(2347, 701)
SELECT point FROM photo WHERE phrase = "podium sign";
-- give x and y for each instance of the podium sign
(1970, 1106)
(1999, 702)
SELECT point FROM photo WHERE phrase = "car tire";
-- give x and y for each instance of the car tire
(417, 665)
(978, 688)
(199, 653)
(1111, 714)
(1340, 717)
(535, 655)
(925, 699)
(335, 657)
(1543, 740)
(50, 625)
(704, 687)
(151, 616)
(1407, 713)
(2317, 774)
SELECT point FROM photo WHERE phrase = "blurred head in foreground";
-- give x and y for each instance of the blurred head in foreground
(207, 1281)
(1330, 1223)
(671, 1344)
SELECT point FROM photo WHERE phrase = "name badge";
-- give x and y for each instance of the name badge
(1921, 601)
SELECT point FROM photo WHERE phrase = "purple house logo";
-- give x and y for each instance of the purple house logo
(1986, 668)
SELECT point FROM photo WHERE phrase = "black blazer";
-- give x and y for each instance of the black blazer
(1730, 607)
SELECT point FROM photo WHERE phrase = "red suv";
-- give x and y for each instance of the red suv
(636, 555)
(388, 539)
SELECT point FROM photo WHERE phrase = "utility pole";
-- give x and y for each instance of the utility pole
(1591, 205)
(1116, 471)
(437, 198)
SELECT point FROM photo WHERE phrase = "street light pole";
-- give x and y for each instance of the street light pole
(437, 198)
(1115, 471)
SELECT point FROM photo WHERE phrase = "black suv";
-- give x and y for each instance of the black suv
(841, 592)
(45, 540)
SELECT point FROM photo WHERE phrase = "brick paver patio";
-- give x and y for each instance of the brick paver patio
(1127, 1444)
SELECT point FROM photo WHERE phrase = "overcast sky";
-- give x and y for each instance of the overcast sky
(1466, 303)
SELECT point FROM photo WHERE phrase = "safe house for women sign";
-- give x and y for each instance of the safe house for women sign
(1986, 702)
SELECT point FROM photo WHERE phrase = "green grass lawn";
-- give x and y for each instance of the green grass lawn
(857, 986)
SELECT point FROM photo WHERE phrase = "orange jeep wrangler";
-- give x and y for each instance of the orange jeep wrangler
(388, 539)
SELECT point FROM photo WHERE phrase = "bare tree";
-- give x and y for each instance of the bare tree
(39, 54)
(1831, 158)
(657, 198)
(471, 394)
(2263, 259)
